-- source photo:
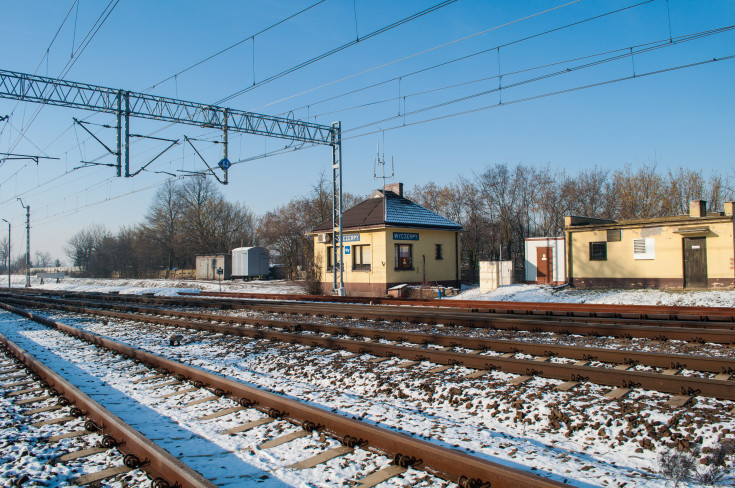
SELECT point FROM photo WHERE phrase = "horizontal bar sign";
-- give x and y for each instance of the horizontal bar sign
(350, 237)
(405, 236)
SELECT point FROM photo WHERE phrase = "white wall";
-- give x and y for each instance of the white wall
(494, 274)
(559, 271)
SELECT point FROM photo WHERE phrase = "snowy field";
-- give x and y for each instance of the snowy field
(519, 293)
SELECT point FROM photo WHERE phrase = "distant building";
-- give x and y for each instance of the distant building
(686, 251)
(390, 240)
(207, 266)
(545, 260)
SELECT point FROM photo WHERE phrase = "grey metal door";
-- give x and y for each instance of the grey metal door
(695, 262)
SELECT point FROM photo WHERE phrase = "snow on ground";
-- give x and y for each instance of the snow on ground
(159, 287)
(516, 293)
(545, 293)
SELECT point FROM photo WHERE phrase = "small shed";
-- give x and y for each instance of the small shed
(250, 262)
(545, 260)
(494, 274)
(207, 266)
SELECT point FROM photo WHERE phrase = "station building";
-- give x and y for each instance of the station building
(686, 251)
(390, 240)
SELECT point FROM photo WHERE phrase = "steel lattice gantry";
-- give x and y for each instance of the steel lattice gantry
(125, 104)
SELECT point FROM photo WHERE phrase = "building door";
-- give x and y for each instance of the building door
(695, 262)
(544, 266)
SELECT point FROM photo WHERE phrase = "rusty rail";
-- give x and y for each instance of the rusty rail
(683, 385)
(605, 310)
(161, 466)
(676, 361)
(724, 333)
(447, 463)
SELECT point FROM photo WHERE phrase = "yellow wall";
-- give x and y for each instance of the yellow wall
(668, 261)
(383, 261)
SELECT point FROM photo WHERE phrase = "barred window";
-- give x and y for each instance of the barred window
(598, 251)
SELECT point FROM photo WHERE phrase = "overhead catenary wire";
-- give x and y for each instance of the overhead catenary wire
(336, 50)
(544, 95)
(455, 59)
(628, 51)
(238, 43)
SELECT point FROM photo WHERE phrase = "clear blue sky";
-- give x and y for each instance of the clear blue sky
(677, 118)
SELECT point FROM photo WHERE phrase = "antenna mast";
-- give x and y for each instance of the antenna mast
(379, 162)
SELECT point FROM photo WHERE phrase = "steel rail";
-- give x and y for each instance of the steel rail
(158, 463)
(468, 471)
(679, 385)
(721, 317)
(622, 311)
(617, 356)
(722, 333)
(433, 312)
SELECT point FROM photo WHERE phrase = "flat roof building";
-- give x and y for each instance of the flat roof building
(685, 251)
(390, 240)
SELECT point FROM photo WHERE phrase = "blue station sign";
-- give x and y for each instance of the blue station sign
(405, 236)
(350, 237)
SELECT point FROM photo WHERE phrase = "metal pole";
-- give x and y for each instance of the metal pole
(127, 134)
(338, 248)
(224, 142)
(8, 254)
(28, 242)
(119, 134)
(28, 246)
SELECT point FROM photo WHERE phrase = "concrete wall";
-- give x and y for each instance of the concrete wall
(559, 269)
(664, 268)
(207, 267)
(383, 273)
(494, 274)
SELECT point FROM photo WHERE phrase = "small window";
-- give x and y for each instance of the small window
(644, 249)
(439, 251)
(330, 252)
(361, 258)
(598, 251)
(403, 256)
(613, 235)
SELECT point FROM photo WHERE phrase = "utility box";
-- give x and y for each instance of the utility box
(250, 262)
(494, 274)
(207, 266)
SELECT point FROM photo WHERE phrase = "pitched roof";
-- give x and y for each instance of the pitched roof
(388, 209)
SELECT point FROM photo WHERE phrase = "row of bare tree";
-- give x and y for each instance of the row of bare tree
(502, 206)
(498, 209)
(185, 219)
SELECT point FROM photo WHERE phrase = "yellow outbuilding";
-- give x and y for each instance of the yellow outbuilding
(685, 251)
(390, 240)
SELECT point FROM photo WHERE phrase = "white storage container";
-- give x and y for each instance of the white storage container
(250, 262)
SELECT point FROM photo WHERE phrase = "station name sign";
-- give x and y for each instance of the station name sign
(405, 236)
(350, 237)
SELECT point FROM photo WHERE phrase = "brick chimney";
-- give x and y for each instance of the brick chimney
(698, 208)
(396, 188)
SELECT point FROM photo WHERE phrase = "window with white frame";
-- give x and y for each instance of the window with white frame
(644, 249)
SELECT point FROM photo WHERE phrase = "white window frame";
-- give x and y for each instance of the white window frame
(644, 248)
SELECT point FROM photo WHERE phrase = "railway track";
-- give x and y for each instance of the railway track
(468, 471)
(31, 383)
(582, 310)
(658, 329)
(483, 355)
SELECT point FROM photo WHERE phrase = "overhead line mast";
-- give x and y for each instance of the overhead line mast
(125, 104)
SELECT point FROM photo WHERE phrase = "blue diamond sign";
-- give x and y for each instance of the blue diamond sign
(225, 164)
